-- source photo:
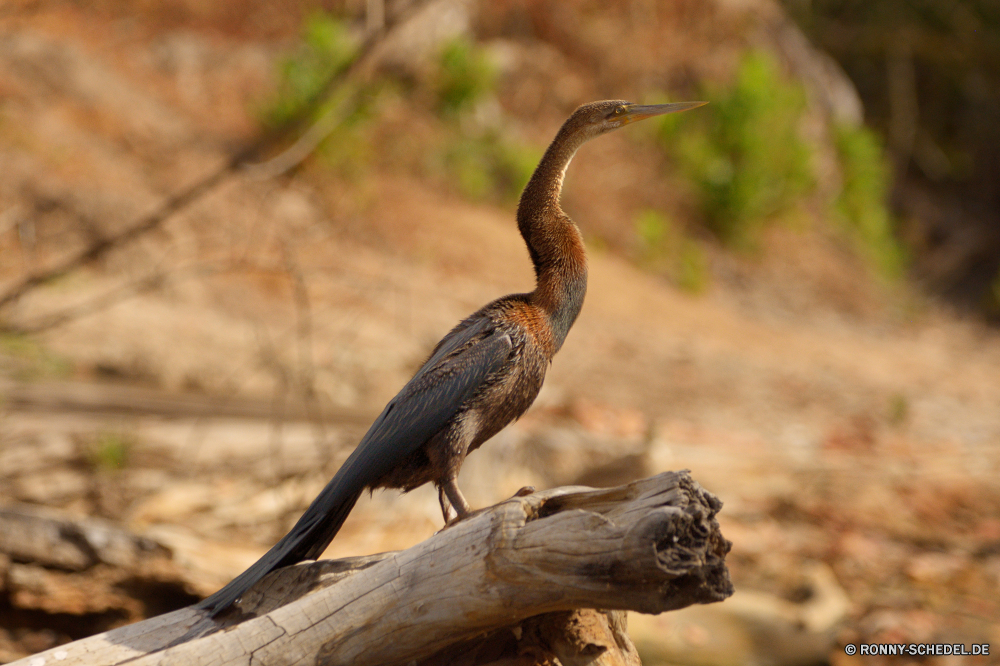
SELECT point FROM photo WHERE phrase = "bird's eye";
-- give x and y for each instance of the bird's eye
(619, 110)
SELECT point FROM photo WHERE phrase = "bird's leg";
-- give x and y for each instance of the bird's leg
(445, 505)
(450, 488)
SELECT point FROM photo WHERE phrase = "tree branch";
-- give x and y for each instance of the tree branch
(512, 570)
(183, 199)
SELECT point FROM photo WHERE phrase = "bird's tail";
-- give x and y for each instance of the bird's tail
(306, 541)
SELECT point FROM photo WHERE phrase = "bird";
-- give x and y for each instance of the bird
(480, 377)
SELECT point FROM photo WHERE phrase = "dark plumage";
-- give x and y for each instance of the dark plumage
(484, 374)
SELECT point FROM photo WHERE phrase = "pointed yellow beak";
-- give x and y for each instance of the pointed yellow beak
(636, 112)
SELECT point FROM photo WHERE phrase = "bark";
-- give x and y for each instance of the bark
(513, 581)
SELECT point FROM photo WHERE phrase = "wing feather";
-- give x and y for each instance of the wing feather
(453, 373)
(457, 368)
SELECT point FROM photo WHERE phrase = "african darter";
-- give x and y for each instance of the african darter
(483, 375)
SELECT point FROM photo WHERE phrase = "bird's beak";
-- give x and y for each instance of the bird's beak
(636, 112)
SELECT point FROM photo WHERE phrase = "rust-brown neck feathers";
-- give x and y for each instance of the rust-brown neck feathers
(553, 240)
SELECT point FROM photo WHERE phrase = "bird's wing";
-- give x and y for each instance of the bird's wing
(457, 367)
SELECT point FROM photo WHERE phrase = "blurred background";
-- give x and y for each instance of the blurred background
(794, 292)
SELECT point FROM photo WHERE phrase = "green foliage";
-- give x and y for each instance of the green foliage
(465, 76)
(743, 152)
(654, 231)
(110, 452)
(666, 248)
(489, 167)
(993, 297)
(692, 267)
(25, 359)
(955, 115)
(899, 409)
(862, 202)
(348, 149)
(744, 155)
(326, 48)
(479, 160)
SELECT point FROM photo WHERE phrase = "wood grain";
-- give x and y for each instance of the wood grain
(649, 546)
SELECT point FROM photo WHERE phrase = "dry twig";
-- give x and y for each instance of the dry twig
(193, 193)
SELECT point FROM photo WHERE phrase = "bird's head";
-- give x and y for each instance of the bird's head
(597, 118)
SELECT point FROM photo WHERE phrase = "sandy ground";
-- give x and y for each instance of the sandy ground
(867, 442)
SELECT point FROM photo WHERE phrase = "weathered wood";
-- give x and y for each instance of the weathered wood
(59, 564)
(650, 546)
(92, 398)
(34, 534)
(584, 637)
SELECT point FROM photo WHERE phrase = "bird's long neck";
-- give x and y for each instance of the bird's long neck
(553, 240)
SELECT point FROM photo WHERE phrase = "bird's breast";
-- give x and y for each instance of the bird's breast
(511, 393)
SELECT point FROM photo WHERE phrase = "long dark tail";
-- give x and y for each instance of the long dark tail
(306, 541)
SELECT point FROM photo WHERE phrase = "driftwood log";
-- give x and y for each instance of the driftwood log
(507, 583)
